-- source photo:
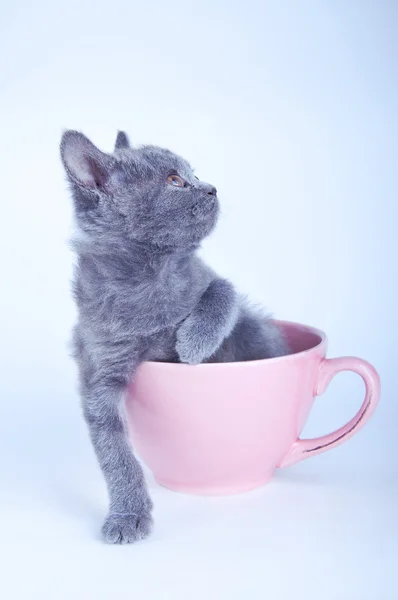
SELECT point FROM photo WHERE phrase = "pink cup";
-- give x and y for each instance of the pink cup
(224, 428)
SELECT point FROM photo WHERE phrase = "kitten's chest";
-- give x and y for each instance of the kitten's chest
(141, 307)
(166, 302)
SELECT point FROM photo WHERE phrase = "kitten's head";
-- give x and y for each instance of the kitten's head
(147, 194)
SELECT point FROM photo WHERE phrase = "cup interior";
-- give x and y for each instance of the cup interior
(300, 337)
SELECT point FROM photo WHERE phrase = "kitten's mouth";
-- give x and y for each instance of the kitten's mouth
(206, 207)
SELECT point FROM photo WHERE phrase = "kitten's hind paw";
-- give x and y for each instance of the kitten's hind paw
(126, 528)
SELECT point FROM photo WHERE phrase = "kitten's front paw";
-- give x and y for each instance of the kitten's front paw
(195, 342)
(126, 528)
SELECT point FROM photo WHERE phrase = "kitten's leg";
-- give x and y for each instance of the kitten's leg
(254, 337)
(103, 382)
(211, 321)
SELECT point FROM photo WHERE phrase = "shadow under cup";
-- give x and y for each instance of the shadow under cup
(224, 428)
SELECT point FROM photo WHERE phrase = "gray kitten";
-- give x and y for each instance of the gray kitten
(143, 294)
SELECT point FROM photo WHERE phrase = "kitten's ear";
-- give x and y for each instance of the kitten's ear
(83, 162)
(122, 141)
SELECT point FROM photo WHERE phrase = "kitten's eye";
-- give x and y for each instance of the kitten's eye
(175, 180)
(197, 178)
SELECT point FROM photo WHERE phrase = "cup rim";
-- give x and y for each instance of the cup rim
(321, 334)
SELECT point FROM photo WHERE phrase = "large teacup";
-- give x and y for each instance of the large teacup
(225, 428)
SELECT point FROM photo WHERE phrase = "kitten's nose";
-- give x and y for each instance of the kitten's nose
(207, 188)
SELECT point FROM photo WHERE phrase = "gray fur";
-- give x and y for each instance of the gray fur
(122, 140)
(143, 294)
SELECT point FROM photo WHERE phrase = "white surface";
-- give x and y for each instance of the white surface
(290, 109)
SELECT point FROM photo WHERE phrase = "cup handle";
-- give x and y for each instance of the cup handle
(302, 449)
